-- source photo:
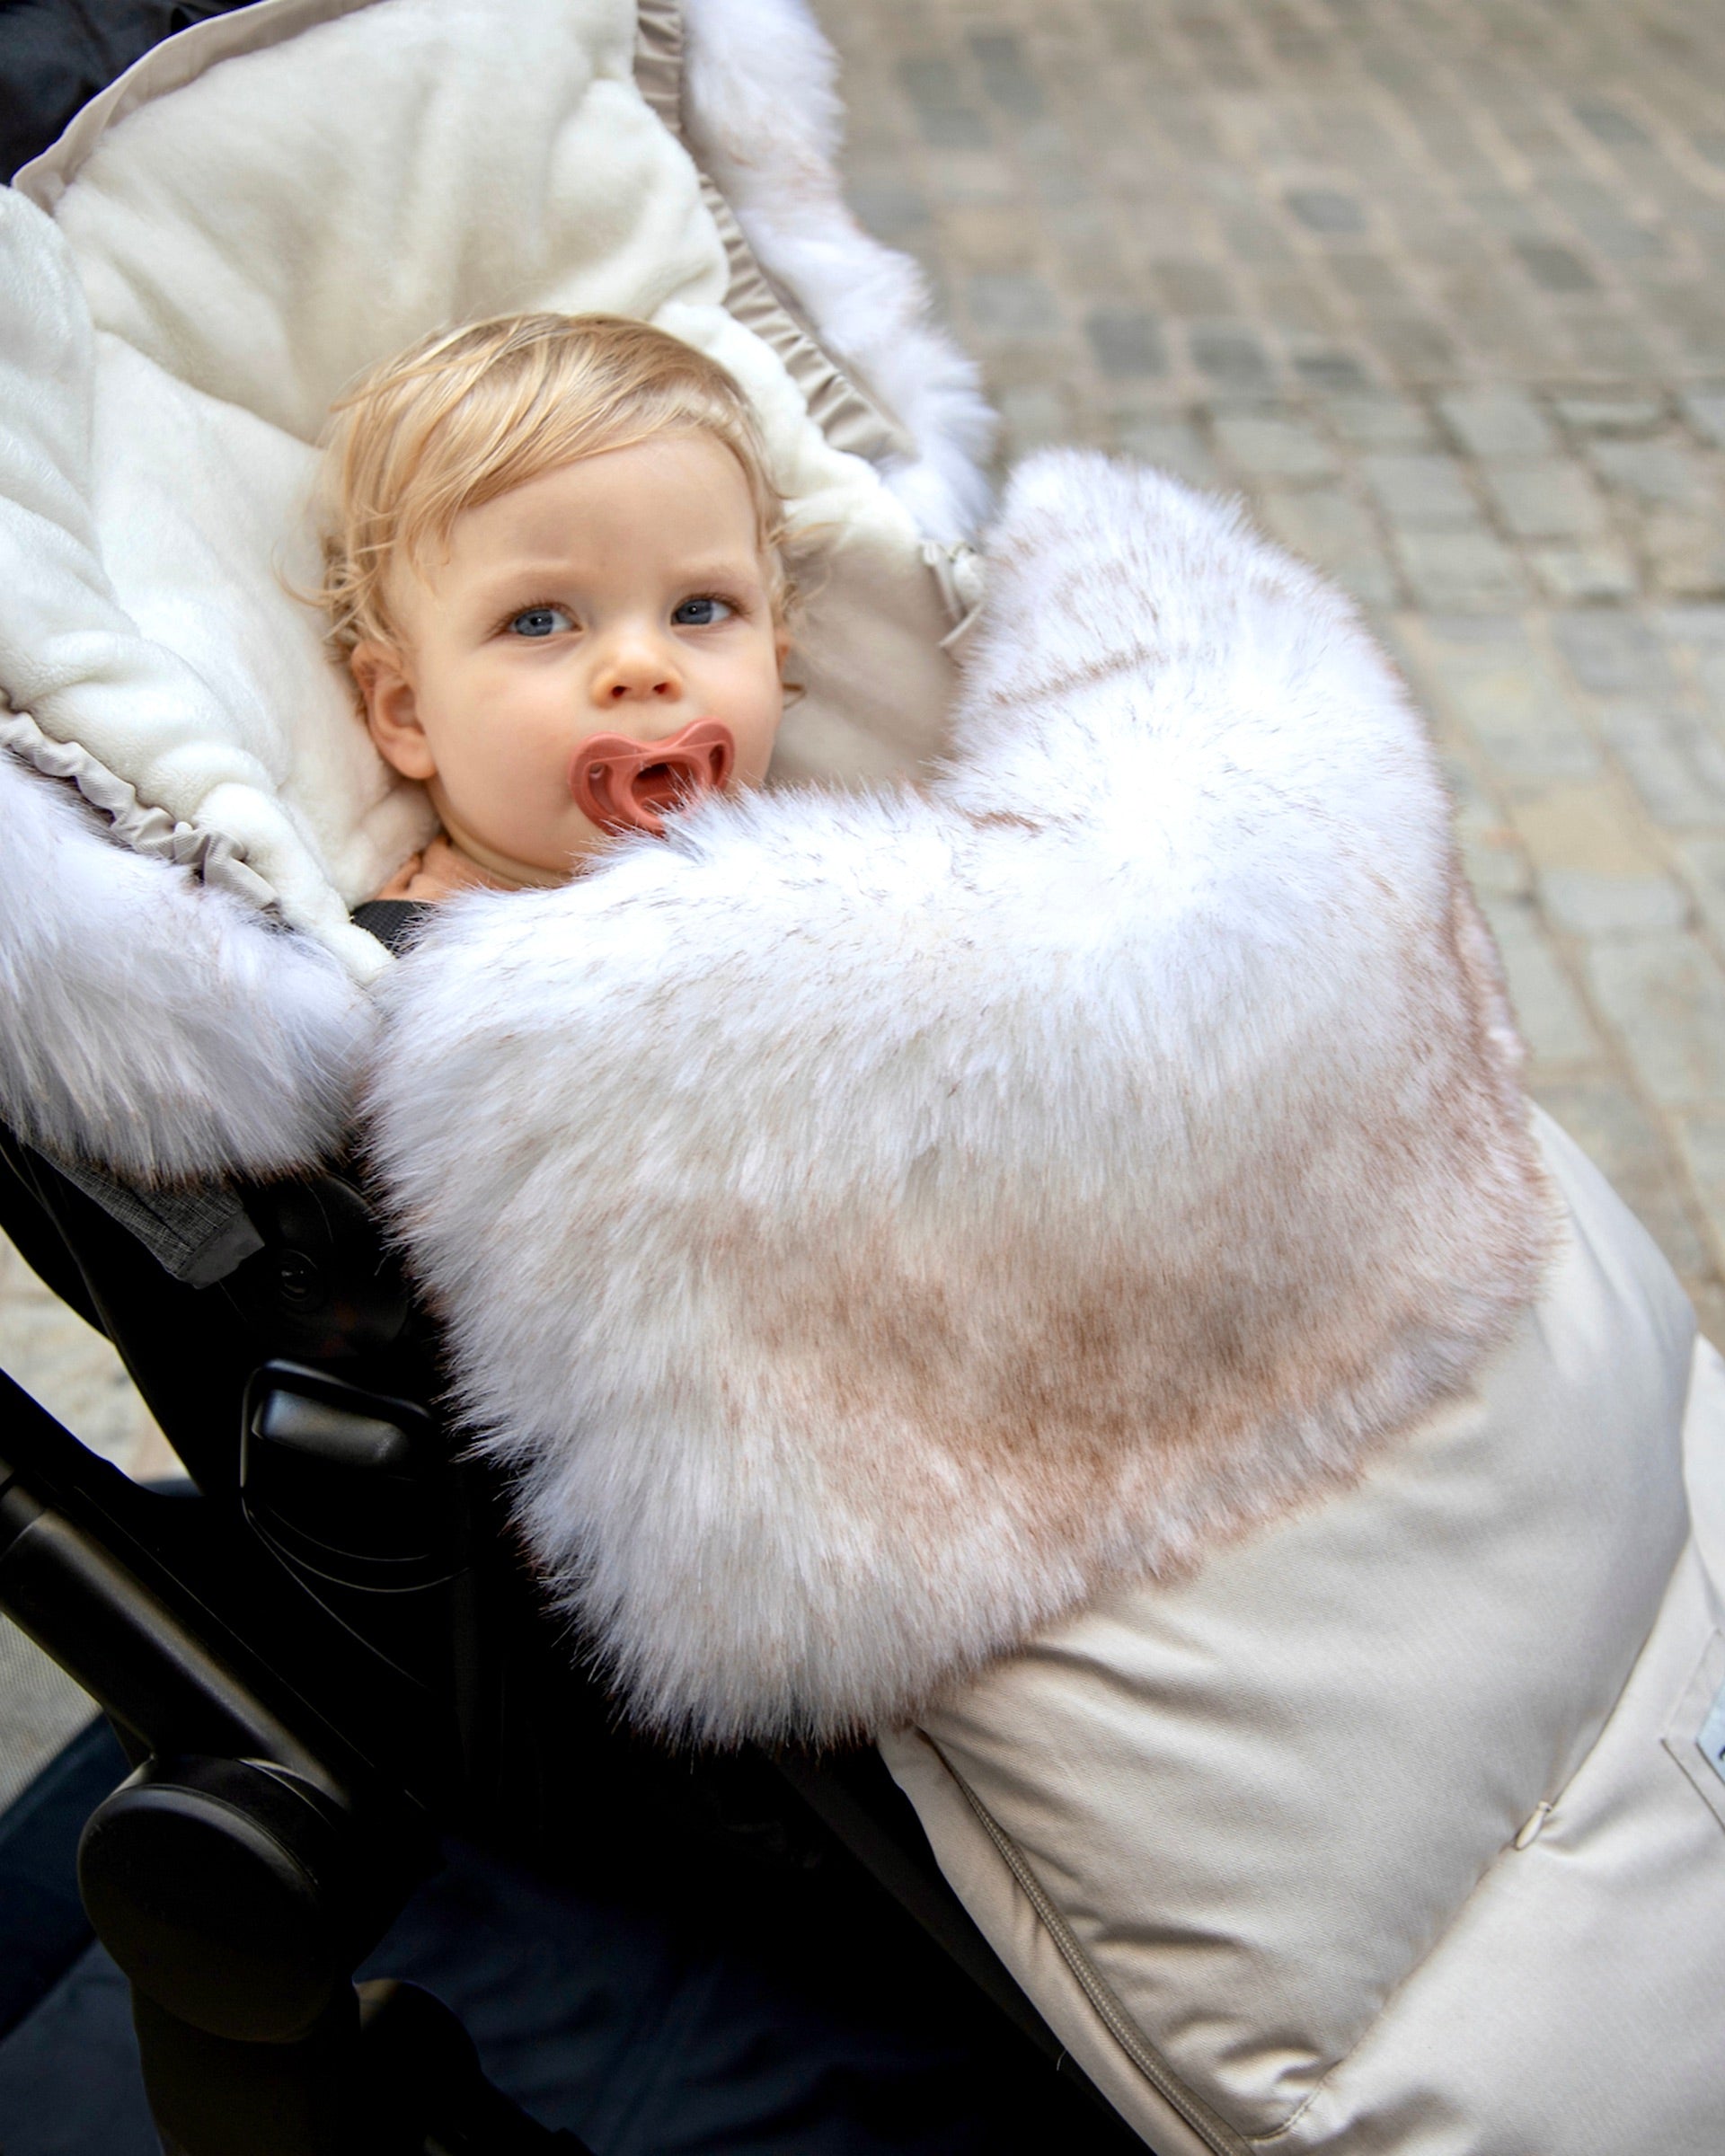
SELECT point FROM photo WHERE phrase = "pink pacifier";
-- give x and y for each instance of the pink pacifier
(625, 785)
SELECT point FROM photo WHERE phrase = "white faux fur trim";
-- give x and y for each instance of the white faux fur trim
(164, 1029)
(764, 119)
(869, 1227)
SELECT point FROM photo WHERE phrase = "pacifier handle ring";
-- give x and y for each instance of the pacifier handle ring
(604, 769)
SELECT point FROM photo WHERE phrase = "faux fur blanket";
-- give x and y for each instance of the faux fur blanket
(868, 1227)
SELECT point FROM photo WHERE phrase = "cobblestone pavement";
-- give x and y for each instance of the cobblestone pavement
(1439, 287)
(77, 1377)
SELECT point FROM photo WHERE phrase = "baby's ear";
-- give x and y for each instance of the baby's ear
(392, 709)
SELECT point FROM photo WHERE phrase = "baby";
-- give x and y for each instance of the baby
(553, 571)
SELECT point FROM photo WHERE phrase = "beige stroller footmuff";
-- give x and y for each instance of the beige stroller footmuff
(1023, 1241)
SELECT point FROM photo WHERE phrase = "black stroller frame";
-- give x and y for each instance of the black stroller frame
(319, 1660)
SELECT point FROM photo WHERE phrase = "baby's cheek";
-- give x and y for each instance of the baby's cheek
(769, 706)
(755, 742)
(513, 770)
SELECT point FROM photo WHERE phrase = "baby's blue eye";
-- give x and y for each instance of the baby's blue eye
(540, 621)
(703, 614)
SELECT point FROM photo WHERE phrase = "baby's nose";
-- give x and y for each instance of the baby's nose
(637, 673)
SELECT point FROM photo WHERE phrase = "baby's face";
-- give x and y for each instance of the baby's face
(626, 595)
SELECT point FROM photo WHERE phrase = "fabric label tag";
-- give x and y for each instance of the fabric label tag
(1695, 1736)
(1710, 1743)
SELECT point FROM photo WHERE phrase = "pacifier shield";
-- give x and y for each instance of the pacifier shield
(626, 785)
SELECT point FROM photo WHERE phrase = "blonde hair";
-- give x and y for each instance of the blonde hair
(466, 415)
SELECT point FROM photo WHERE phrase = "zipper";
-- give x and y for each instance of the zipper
(1218, 2136)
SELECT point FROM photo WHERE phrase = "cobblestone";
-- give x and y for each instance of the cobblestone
(1464, 570)
(1499, 421)
(40, 1709)
(1552, 1016)
(1173, 445)
(1674, 758)
(1545, 499)
(1701, 1134)
(77, 1376)
(1421, 492)
(1231, 358)
(1590, 902)
(1701, 863)
(1040, 414)
(1327, 526)
(1705, 411)
(1666, 997)
(1583, 575)
(1380, 419)
(1007, 304)
(73, 1373)
(1611, 415)
(1604, 1116)
(1127, 342)
(1504, 690)
(1652, 474)
(1270, 446)
(1612, 652)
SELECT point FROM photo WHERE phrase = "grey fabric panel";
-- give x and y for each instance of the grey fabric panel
(851, 419)
(198, 1235)
(208, 854)
(659, 60)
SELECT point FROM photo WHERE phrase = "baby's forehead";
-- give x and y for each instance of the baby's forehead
(657, 497)
(672, 510)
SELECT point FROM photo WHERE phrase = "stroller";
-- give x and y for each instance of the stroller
(1015, 1313)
